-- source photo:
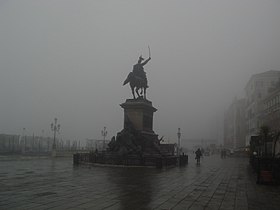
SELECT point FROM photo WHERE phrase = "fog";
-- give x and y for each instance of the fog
(68, 59)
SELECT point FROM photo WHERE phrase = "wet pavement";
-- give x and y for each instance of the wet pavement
(56, 184)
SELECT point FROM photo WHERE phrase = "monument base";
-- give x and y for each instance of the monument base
(110, 159)
(137, 144)
(139, 114)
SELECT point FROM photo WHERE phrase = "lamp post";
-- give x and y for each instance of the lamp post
(24, 140)
(104, 134)
(179, 141)
(41, 140)
(55, 128)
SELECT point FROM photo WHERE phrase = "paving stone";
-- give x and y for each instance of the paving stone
(197, 206)
(185, 204)
(212, 207)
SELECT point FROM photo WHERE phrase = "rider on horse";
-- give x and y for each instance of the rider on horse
(138, 70)
(138, 79)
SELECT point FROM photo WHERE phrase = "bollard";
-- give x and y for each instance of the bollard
(76, 158)
(159, 162)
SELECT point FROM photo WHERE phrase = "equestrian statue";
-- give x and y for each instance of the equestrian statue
(137, 79)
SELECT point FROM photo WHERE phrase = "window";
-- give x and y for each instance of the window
(267, 107)
(259, 83)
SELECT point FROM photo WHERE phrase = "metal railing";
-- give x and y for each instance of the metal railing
(129, 160)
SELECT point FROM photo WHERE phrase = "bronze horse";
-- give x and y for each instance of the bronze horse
(136, 83)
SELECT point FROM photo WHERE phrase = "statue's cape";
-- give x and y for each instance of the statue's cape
(136, 78)
(127, 80)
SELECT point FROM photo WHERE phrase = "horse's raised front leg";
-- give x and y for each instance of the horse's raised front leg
(132, 90)
(137, 92)
(144, 95)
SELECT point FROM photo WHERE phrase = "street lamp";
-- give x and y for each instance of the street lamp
(179, 141)
(41, 140)
(104, 134)
(23, 140)
(55, 128)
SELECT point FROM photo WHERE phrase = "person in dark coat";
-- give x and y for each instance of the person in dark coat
(198, 155)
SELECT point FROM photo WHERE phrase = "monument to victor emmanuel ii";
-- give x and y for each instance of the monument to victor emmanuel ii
(137, 144)
(137, 136)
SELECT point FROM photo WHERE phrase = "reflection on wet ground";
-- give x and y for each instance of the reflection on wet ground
(57, 184)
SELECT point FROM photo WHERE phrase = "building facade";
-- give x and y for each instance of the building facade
(234, 125)
(257, 89)
(9, 143)
(271, 114)
(271, 110)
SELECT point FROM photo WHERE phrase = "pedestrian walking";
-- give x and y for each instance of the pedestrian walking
(198, 155)
(223, 153)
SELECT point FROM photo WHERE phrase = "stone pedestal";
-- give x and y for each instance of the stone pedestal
(137, 144)
(139, 113)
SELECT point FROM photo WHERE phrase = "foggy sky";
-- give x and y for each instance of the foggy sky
(68, 59)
